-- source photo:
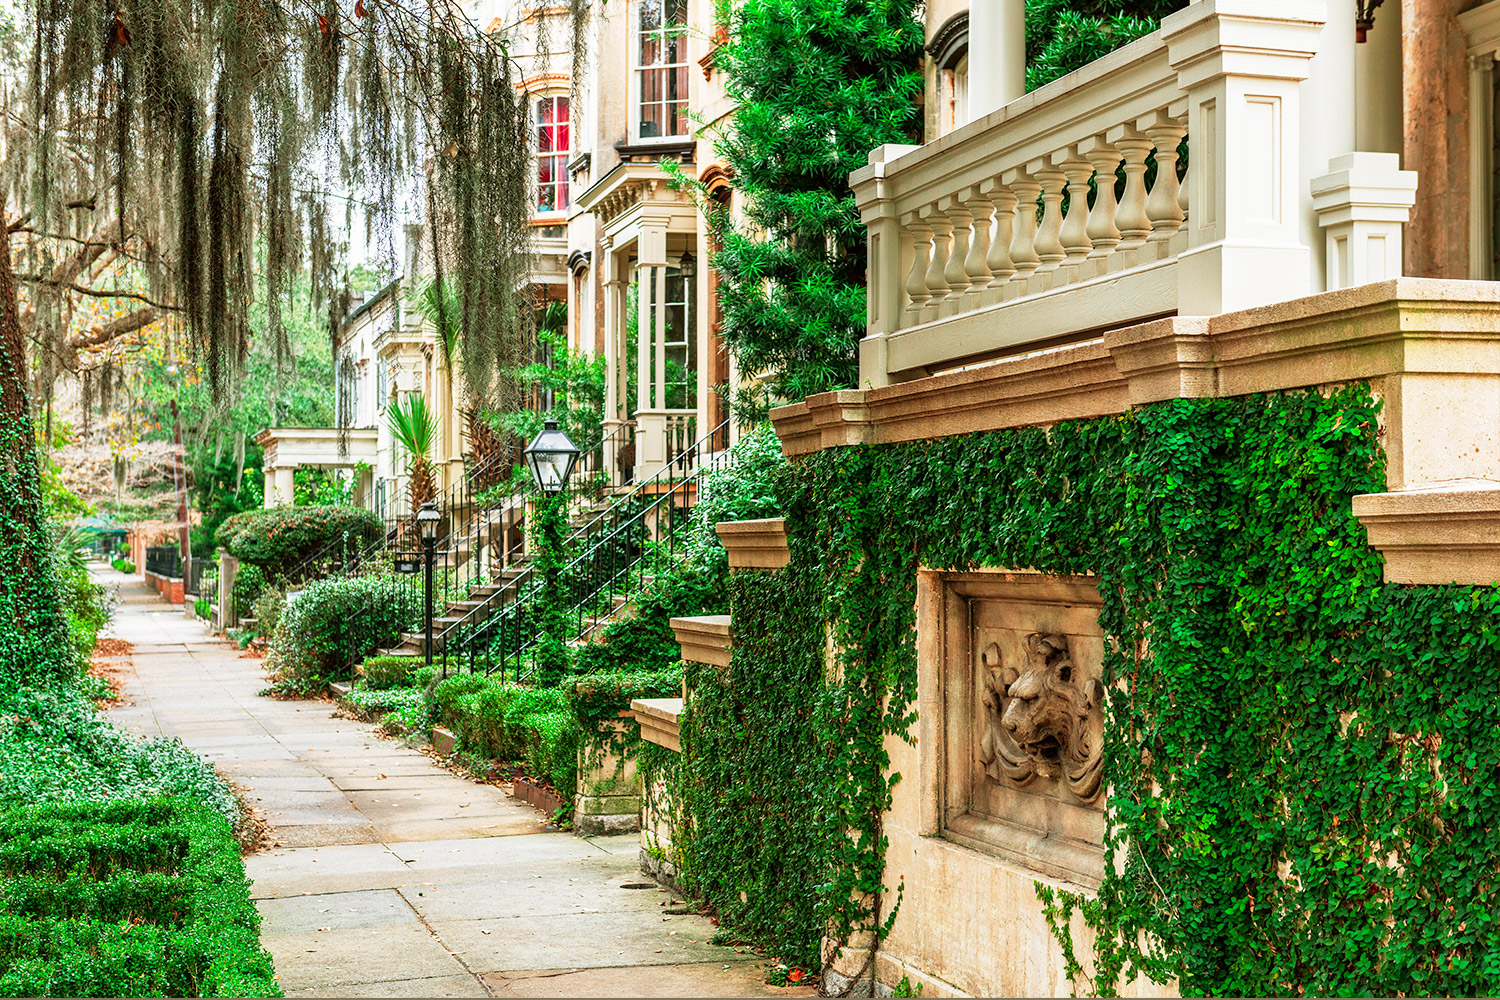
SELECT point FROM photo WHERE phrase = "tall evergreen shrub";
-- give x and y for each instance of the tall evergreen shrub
(818, 84)
(1062, 35)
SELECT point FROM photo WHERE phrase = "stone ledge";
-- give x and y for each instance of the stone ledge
(755, 544)
(1438, 533)
(659, 719)
(1429, 348)
(704, 639)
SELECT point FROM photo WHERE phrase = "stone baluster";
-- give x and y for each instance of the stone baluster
(921, 245)
(1025, 247)
(976, 263)
(956, 273)
(1075, 229)
(1049, 245)
(1131, 218)
(942, 241)
(1163, 207)
(999, 262)
(1104, 234)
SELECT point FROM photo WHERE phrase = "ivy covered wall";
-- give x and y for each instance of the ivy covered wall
(1302, 760)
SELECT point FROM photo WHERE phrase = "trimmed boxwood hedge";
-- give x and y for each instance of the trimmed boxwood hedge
(278, 538)
(146, 897)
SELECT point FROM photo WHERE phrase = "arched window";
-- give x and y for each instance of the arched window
(552, 154)
(661, 68)
(949, 49)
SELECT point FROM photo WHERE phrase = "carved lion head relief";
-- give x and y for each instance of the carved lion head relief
(1043, 718)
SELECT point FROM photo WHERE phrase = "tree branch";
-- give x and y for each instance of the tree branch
(116, 329)
(98, 293)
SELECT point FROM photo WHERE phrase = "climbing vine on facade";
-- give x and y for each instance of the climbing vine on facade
(1301, 758)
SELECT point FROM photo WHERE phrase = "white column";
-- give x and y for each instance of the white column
(645, 281)
(1242, 63)
(659, 341)
(1330, 111)
(282, 490)
(997, 54)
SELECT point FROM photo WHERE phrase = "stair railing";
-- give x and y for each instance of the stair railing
(620, 549)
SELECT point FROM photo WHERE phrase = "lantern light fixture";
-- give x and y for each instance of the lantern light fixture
(551, 457)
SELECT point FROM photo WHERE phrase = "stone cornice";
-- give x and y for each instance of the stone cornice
(755, 544)
(1437, 534)
(704, 638)
(1400, 327)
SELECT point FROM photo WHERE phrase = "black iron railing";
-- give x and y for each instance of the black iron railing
(620, 551)
(163, 560)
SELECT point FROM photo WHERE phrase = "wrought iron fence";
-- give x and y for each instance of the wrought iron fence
(163, 560)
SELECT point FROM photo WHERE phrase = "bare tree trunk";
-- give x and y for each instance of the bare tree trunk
(33, 630)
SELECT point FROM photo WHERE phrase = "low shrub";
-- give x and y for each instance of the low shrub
(203, 608)
(123, 565)
(645, 641)
(382, 672)
(509, 722)
(267, 610)
(334, 623)
(138, 898)
(278, 538)
(603, 696)
(249, 582)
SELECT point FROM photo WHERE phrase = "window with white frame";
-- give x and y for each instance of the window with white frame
(661, 68)
(681, 347)
(552, 153)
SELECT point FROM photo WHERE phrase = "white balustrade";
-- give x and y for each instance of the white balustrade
(1066, 211)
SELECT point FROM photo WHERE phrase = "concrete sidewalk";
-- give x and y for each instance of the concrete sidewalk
(394, 877)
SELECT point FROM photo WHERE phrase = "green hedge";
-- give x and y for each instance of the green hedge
(137, 898)
(332, 624)
(507, 722)
(278, 538)
(123, 565)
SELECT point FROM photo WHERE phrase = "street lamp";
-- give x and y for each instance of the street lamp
(427, 521)
(551, 458)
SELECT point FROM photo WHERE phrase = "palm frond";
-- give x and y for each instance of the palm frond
(440, 304)
(413, 425)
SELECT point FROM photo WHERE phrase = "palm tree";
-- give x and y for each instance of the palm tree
(415, 428)
(439, 303)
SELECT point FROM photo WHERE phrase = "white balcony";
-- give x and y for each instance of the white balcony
(985, 242)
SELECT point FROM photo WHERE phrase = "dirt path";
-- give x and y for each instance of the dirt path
(393, 877)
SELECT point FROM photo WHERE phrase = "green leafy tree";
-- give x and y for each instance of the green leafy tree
(1063, 35)
(818, 85)
(572, 380)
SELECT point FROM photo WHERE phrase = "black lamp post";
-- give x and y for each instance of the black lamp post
(427, 520)
(551, 458)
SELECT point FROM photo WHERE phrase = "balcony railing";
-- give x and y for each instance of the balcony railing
(1073, 210)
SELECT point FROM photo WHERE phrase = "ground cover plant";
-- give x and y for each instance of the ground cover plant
(1276, 720)
(119, 871)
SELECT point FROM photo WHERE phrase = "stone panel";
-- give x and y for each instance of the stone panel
(1023, 721)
